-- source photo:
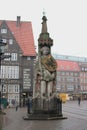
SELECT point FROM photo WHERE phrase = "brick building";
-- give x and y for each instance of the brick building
(72, 75)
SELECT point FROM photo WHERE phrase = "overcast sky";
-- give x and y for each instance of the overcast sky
(67, 21)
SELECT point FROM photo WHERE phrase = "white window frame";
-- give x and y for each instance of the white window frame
(3, 30)
(28, 58)
(7, 59)
(11, 72)
(10, 41)
(13, 56)
(4, 40)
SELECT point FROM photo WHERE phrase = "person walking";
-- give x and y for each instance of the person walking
(16, 104)
(79, 100)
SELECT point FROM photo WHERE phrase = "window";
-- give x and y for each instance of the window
(10, 89)
(28, 58)
(11, 72)
(67, 73)
(58, 79)
(83, 68)
(14, 56)
(58, 87)
(70, 87)
(10, 41)
(4, 40)
(62, 73)
(16, 88)
(58, 73)
(3, 30)
(71, 74)
(13, 88)
(4, 88)
(8, 55)
(76, 74)
(70, 79)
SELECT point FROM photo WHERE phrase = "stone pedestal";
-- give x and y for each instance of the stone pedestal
(45, 109)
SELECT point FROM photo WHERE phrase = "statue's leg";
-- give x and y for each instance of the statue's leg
(43, 93)
(50, 85)
(43, 88)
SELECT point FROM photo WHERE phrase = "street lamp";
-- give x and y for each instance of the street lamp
(24, 95)
(2, 48)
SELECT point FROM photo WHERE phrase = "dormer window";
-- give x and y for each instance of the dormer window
(3, 30)
(10, 41)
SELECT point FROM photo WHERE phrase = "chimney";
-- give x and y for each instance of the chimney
(18, 21)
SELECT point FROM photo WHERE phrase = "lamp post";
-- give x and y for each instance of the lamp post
(2, 47)
(24, 96)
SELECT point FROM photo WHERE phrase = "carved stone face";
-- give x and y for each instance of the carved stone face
(45, 50)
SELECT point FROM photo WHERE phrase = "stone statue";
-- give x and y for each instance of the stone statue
(45, 104)
(45, 75)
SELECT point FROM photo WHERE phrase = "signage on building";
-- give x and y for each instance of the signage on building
(26, 79)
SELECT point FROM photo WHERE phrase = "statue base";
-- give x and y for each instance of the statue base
(44, 117)
(44, 109)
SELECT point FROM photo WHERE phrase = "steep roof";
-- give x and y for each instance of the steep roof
(23, 35)
(63, 65)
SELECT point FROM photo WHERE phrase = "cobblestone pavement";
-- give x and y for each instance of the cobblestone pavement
(77, 119)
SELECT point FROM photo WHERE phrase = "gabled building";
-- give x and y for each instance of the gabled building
(17, 70)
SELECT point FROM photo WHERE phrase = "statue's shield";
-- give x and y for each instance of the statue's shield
(49, 63)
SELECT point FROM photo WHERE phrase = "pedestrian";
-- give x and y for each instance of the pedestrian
(79, 100)
(16, 104)
(7, 104)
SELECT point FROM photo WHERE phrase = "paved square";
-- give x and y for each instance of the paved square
(77, 119)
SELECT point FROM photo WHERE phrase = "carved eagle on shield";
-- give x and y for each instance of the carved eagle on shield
(49, 63)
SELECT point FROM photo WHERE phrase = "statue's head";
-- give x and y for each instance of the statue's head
(45, 50)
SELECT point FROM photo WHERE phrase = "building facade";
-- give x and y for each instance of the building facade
(17, 70)
(72, 75)
(68, 79)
